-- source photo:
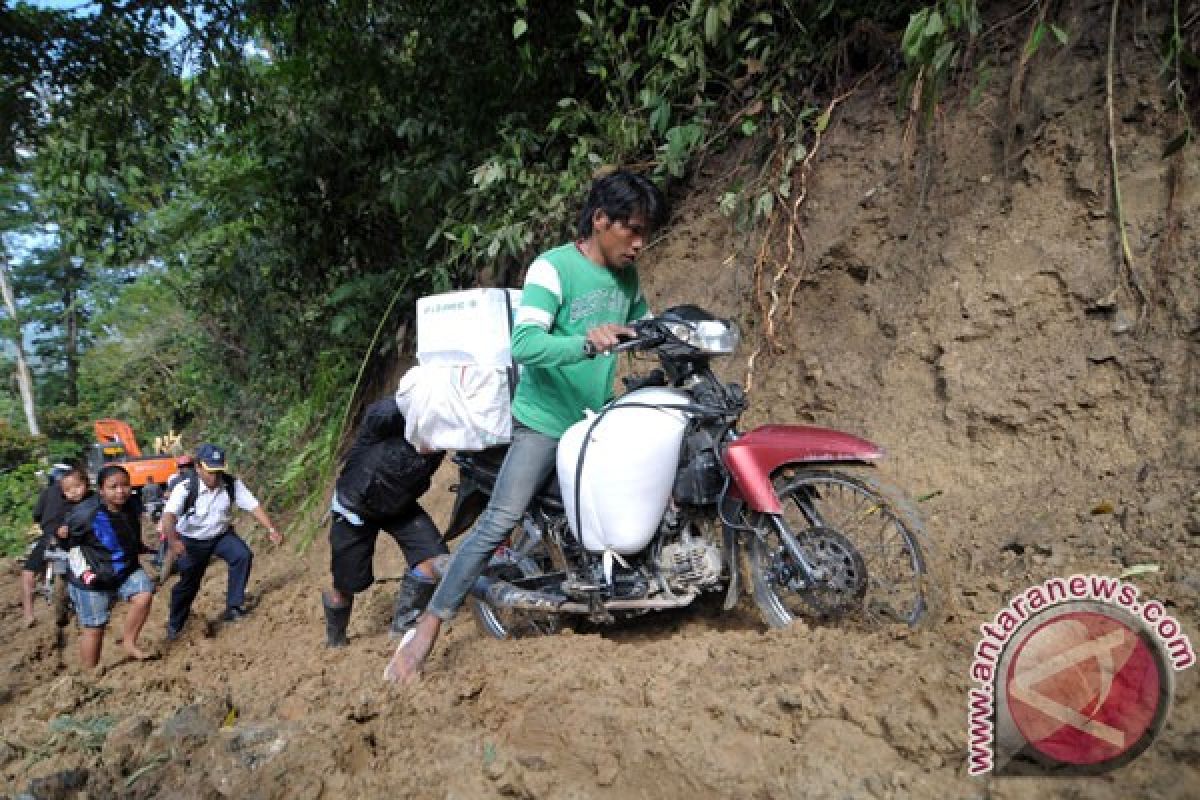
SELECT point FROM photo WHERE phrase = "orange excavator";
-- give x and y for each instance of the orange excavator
(116, 444)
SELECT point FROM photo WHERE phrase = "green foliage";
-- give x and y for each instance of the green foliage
(132, 370)
(17, 447)
(19, 487)
(932, 46)
(1039, 33)
(301, 447)
(1180, 63)
(80, 733)
(81, 54)
(68, 432)
(106, 96)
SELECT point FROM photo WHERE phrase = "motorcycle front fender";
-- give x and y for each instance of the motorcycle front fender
(754, 457)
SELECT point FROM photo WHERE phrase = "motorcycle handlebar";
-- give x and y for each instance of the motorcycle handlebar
(646, 335)
(632, 343)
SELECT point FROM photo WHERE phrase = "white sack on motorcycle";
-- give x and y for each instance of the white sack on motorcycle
(459, 397)
(449, 407)
(629, 468)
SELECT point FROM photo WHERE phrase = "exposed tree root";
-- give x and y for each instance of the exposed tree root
(1016, 90)
(1126, 265)
(767, 297)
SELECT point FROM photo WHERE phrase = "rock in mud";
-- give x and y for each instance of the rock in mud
(255, 745)
(8, 753)
(126, 740)
(237, 762)
(59, 786)
(190, 728)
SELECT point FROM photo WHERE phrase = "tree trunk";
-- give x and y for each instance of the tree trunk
(24, 378)
(71, 321)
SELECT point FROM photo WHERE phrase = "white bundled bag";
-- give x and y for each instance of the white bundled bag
(448, 407)
(473, 326)
(628, 469)
(458, 398)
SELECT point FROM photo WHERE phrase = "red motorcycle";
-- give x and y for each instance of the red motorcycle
(662, 493)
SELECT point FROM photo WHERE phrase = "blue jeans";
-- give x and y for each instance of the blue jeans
(530, 460)
(92, 605)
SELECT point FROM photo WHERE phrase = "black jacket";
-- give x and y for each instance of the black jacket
(110, 542)
(51, 510)
(383, 474)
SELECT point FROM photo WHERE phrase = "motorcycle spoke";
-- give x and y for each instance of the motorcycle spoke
(829, 511)
(502, 623)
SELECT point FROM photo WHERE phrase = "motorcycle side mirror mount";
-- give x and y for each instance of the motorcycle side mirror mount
(655, 377)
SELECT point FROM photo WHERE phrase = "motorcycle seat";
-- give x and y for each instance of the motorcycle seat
(486, 464)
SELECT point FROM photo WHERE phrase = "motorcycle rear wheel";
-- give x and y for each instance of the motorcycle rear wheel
(509, 623)
(863, 533)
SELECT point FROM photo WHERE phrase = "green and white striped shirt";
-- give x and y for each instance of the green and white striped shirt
(566, 295)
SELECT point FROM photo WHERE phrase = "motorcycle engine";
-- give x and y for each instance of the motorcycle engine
(690, 562)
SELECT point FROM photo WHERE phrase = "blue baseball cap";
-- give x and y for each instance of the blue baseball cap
(211, 457)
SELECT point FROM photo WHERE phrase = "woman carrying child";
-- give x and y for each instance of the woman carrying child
(50, 513)
(105, 534)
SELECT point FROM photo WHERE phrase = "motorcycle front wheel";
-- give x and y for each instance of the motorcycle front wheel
(862, 537)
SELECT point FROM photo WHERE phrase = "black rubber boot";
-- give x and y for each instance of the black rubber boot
(411, 599)
(337, 619)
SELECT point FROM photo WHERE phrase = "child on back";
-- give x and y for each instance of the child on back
(55, 502)
(105, 535)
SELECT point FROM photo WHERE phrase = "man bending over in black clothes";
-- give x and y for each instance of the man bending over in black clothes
(381, 480)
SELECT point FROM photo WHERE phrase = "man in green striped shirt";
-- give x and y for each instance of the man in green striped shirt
(582, 293)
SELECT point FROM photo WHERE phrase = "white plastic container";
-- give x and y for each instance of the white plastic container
(628, 469)
(468, 327)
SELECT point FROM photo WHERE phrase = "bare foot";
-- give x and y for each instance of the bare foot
(406, 664)
(137, 653)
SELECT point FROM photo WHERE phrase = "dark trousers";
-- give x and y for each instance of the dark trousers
(352, 547)
(228, 547)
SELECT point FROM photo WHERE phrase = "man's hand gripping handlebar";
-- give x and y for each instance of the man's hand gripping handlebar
(609, 339)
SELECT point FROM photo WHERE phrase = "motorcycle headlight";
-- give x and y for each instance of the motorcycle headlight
(709, 336)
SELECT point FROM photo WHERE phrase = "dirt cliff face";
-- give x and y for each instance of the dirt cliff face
(975, 322)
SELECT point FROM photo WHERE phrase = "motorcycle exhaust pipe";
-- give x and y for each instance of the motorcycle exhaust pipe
(502, 594)
(658, 603)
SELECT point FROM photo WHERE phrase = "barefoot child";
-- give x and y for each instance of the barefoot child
(105, 537)
(50, 513)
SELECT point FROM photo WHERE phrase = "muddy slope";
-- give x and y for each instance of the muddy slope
(985, 337)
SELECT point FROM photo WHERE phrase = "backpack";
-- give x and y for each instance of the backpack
(193, 490)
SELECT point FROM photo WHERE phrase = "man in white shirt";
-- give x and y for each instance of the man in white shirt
(197, 522)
